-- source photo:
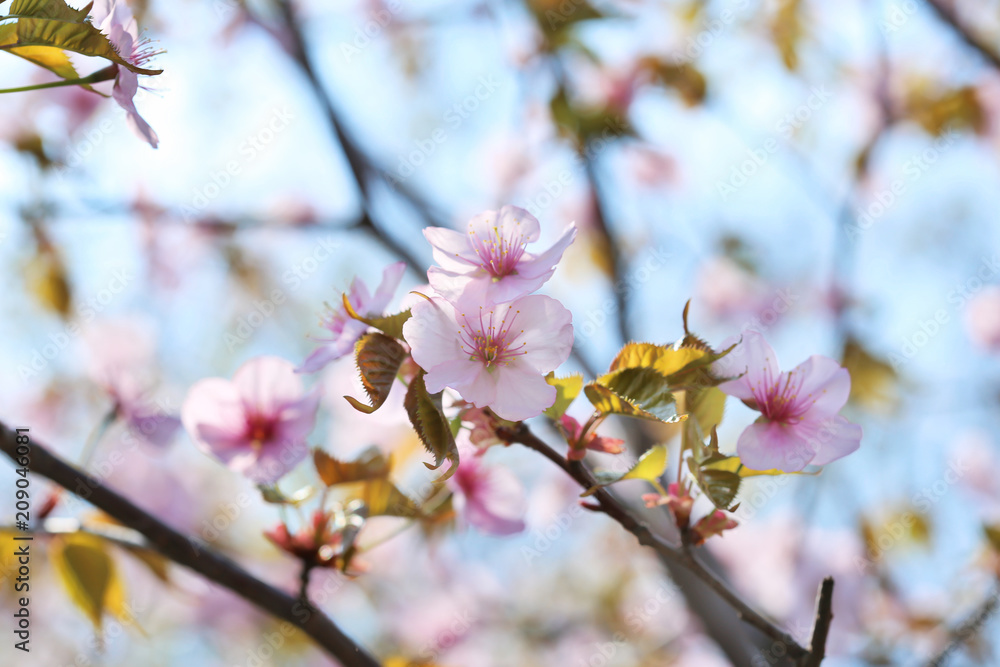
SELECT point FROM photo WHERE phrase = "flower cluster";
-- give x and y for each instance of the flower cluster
(479, 333)
(482, 333)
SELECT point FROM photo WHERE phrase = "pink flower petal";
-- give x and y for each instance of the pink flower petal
(753, 357)
(432, 333)
(275, 461)
(391, 277)
(296, 419)
(125, 88)
(544, 264)
(268, 383)
(451, 249)
(765, 445)
(510, 222)
(521, 392)
(491, 498)
(547, 333)
(453, 373)
(452, 285)
(825, 385)
(835, 438)
(213, 415)
(482, 390)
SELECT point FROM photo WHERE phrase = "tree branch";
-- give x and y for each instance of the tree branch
(192, 554)
(684, 557)
(821, 629)
(948, 14)
(968, 628)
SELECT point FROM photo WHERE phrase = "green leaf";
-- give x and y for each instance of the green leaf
(382, 498)
(721, 486)
(650, 467)
(992, 533)
(379, 358)
(273, 495)
(428, 420)
(370, 464)
(55, 60)
(707, 406)
(48, 9)
(89, 575)
(82, 38)
(634, 392)
(567, 389)
(391, 325)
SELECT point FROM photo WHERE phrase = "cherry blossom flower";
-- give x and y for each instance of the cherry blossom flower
(983, 318)
(492, 355)
(711, 524)
(489, 497)
(489, 261)
(345, 330)
(579, 446)
(121, 354)
(799, 421)
(114, 19)
(678, 500)
(483, 426)
(256, 423)
(315, 543)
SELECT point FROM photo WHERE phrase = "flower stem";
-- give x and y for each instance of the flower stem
(105, 74)
(90, 447)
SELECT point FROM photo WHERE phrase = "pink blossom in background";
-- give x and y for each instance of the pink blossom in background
(257, 422)
(800, 424)
(651, 167)
(495, 356)
(121, 357)
(345, 330)
(489, 261)
(982, 318)
(728, 290)
(114, 19)
(78, 103)
(488, 497)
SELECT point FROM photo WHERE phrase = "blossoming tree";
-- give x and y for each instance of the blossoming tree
(544, 446)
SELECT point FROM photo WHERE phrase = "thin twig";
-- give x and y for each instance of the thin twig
(191, 553)
(609, 505)
(821, 629)
(948, 14)
(969, 628)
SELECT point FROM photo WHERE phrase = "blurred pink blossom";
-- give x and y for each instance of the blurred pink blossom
(345, 330)
(651, 168)
(982, 317)
(799, 423)
(728, 290)
(256, 423)
(489, 262)
(489, 497)
(495, 356)
(121, 358)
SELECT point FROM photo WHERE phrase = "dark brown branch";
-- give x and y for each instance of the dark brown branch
(947, 13)
(821, 629)
(192, 554)
(362, 167)
(686, 558)
(613, 248)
